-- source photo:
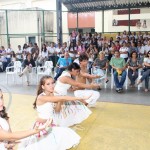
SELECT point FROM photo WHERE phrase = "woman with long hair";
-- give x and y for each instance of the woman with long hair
(7, 138)
(58, 138)
(43, 56)
(27, 65)
(133, 65)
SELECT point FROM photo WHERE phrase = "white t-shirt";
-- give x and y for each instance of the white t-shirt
(145, 36)
(8, 51)
(44, 54)
(59, 50)
(76, 61)
(141, 49)
(124, 49)
(19, 52)
(147, 48)
(135, 36)
(124, 35)
(147, 60)
(29, 49)
(51, 50)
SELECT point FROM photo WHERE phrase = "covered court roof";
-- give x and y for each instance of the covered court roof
(95, 5)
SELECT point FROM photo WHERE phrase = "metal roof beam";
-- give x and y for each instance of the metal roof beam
(66, 2)
(98, 8)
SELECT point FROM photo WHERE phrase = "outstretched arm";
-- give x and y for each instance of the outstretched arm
(89, 76)
(43, 99)
(9, 136)
(72, 82)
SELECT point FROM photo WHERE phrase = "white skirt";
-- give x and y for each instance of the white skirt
(60, 138)
(2, 146)
(71, 113)
(93, 95)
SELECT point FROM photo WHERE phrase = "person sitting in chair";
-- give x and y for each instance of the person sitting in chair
(27, 64)
(118, 64)
(62, 64)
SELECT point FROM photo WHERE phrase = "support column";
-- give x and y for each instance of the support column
(59, 20)
(7, 30)
(129, 19)
(77, 21)
(43, 24)
(102, 21)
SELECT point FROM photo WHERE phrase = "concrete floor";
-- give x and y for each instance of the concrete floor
(113, 124)
(130, 96)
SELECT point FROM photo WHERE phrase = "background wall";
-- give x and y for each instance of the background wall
(27, 22)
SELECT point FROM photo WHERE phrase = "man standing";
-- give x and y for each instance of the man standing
(118, 64)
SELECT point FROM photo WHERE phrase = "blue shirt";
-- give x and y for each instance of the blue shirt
(64, 62)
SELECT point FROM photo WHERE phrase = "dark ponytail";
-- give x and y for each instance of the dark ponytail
(74, 66)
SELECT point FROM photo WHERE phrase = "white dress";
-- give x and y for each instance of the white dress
(5, 126)
(59, 138)
(73, 112)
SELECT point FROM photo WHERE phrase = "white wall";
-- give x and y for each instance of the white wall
(29, 20)
(42, 4)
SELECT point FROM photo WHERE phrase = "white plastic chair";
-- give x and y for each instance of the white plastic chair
(45, 70)
(13, 70)
(139, 77)
(103, 73)
(112, 79)
(32, 75)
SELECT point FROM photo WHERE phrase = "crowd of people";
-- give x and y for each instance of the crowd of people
(74, 61)
(99, 49)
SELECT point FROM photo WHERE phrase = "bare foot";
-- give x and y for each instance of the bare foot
(146, 90)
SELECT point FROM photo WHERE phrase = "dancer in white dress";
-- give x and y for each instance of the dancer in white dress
(72, 112)
(7, 138)
(58, 138)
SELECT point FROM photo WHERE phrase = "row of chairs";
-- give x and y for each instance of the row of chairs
(104, 75)
(17, 69)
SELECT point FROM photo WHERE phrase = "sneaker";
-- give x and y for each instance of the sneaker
(117, 89)
(107, 81)
(120, 90)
